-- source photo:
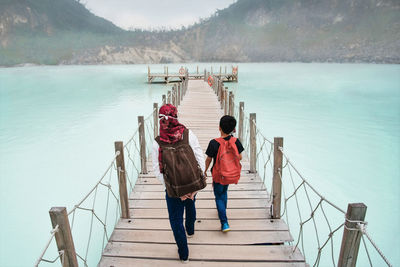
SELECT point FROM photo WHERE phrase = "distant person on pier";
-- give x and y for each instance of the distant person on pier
(178, 163)
(226, 152)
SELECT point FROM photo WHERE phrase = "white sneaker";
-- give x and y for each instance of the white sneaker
(190, 236)
(185, 261)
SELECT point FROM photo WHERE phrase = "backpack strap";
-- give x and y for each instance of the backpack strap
(221, 140)
(158, 140)
(233, 140)
(186, 136)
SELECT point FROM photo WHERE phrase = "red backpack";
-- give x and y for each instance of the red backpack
(227, 166)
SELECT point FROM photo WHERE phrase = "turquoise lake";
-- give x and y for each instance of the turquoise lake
(340, 123)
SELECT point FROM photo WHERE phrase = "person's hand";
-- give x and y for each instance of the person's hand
(183, 198)
(192, 195)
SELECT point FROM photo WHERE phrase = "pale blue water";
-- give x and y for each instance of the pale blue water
(340, 124)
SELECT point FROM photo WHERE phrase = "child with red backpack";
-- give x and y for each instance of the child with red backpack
(226, 152)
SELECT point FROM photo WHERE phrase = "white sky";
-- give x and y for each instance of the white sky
(148, 14)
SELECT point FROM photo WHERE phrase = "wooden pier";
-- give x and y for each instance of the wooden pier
(259, 237)
(181, 75)
(146, 239)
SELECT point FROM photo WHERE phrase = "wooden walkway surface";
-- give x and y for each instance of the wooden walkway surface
(254, 240)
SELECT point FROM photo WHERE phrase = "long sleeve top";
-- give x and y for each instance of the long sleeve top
(194, 144)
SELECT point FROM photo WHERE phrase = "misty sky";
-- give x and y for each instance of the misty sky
(154, 13)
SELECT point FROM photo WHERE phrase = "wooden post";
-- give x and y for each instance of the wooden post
(211, 70)
(142, 141)
(175, 99)
(241, 119)
(221, 93)
(164, 100)
(58, 216)
(169, 97)
(197, 69)
(225, 69)
(183, 89)
(167, 71)
(155, 119)
(276, 179)
(148, 74)
(222, 98)
(231, 104)
(220, 69)
(205, 75)
(253, 143)
(174, 95)
(351, 238)
(123, 193)
(237, 73)
(179, 93)
(226, 100)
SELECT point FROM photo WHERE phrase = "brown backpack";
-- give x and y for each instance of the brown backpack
(182, 173)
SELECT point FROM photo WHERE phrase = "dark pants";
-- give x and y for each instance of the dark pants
(221, 200)
(175, 212)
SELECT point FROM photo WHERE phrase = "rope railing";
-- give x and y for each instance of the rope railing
(89, 203)
(317, 217)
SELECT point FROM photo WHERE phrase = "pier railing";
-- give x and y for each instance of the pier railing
(93, 218)
(167, 76)
(314, 218)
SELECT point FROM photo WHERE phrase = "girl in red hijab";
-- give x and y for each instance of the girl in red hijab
(171, 131)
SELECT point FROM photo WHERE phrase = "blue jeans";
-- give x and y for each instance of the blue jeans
(175, 212)
(221, 200)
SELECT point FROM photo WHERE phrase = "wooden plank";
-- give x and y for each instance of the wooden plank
(107, 261)
(203, 195)
(211, 224)
(203, 214)
(203, 204)
(238, 187)
(205, 252)
(215, 237)
(243, 179)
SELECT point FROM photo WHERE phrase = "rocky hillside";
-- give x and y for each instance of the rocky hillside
(65, 32)
(300, 30)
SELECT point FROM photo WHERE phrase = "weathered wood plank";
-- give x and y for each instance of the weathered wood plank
(239, 186)
(244, 224)
(206, 252)
(203, 204)
(203, 214)
(203, 195)
(128, 262)
(243, 179)
(215, 237)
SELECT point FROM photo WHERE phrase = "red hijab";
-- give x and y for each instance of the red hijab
(171, 130)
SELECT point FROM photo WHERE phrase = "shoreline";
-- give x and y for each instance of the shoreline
(26, 65)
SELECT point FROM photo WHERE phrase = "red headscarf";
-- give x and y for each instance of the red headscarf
(171, 130)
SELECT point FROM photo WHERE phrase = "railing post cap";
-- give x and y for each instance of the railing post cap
(357, 205)
(57, 209)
